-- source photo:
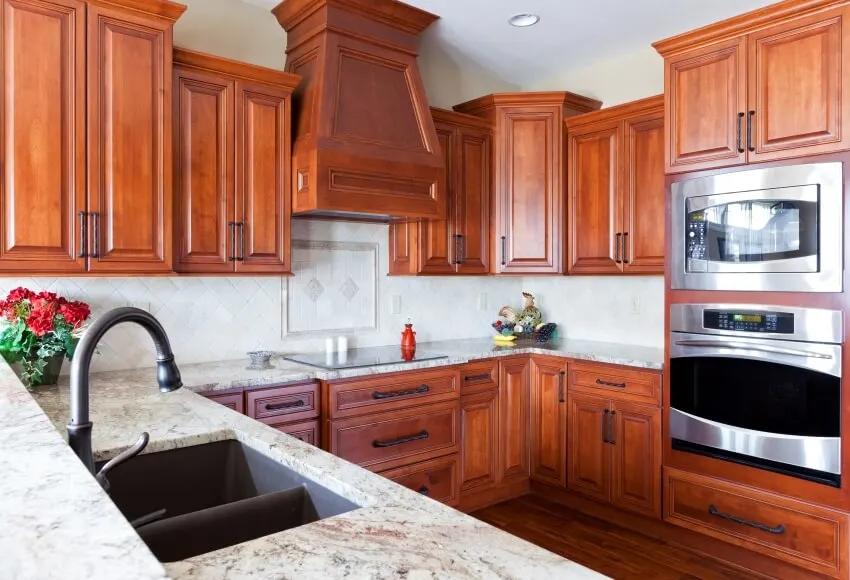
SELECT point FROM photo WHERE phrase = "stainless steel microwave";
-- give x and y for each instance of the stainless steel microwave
(777, 229)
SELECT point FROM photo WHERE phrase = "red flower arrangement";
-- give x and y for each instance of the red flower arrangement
(39, 329)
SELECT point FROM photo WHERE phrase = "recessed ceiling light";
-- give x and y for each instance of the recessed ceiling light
(523, 20)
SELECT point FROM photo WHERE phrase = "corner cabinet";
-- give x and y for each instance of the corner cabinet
(615, 190)
(528, 174)
(87, 137)
(727, 88)
(231, 166)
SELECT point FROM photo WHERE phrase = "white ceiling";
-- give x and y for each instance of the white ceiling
(571, 33)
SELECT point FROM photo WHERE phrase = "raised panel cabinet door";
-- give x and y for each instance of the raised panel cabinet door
(705, 105)
(514, 395)
(262, 183)
(588, 458)
(437, 243)
(472, 201)
(798, 87)
(404, 241)
(203, 172)
(636, 458)
(129, 141)
(594, 204)
(479, 444)
(549, 421)
(43, 136)
(643, 194)
(530, 197)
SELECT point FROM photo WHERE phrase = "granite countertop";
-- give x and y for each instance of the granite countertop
(56, 522)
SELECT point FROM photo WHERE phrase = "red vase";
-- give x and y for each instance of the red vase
(408, 337)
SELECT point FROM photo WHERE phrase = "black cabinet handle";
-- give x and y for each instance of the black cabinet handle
(83, 237)
(561, 376)
(605, 426)
(611, 427)
(750, 121)
(482, 377)
(625, 253)
(456, 238)
(504, 250)
(780, 529)
(418, 437)
(462, 239)
(610, 384)
(390, 394)
(95, 252)
(424, 490)
(738, 134)
(241, 256)
(232, 227)
(290, 405)
(617, 249)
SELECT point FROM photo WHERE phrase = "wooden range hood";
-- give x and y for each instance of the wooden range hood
(364, 141)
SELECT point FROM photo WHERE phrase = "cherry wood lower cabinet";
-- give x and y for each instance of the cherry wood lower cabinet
(436, 478)
(479, 436)
(235, 401)
(514, 414)
(548, 422)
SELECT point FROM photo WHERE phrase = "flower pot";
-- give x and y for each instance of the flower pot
(50, 374)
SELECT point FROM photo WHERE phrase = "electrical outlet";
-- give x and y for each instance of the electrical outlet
(395, 304)
(635, 306)
(482, 301)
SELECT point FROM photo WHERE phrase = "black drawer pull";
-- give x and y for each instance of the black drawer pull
(605, 426)
(232, 227)
(483, 377)
(738, 134)
(419, 436)
(780, 529)
(611, 417)
(610, 384)
(290, 405)
(389, 395)
(424, 490)
(83, 236)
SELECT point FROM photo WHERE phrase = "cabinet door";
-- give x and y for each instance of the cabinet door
(43, 135)
(594, 200)
(588, 459)
(404, 256)
(262, 182)
(129, 141)
(548, 421)
(636, 458)
(530, 196)
(798, 76)
(705, 93)
(436, 237)
(479, 445)
(203, 172)
(643, 194)
(513, 419)
(472, 201)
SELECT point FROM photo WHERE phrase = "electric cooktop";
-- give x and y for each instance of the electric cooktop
(362, 357)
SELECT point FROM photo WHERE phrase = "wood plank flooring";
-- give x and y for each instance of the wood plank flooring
(609, 549)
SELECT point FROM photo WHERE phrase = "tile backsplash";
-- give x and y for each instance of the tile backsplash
(341, 287)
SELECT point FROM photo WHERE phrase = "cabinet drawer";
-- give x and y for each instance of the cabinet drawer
(476, 377)
(233, 401)
(436, 479)
(803, 534)
(628, 384)
(392, 391)
(279, 404)
(308, 431)
(393, 439)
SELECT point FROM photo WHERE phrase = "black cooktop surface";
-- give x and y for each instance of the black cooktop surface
(362, 357)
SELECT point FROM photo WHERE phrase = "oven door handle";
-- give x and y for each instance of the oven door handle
(754, 347)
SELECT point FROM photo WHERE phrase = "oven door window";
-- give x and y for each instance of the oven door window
(757, 395)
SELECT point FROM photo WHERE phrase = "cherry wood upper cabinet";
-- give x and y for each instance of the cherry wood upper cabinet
(437, 251)
(231, 165)
(549, 420)
(528, 174)
(616, 189)
(769, 84)
(43, 136)
(514, 394)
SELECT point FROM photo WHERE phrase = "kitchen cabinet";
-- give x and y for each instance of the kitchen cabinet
(87, 137)
(589, 464)
(231, 166)
(479, 431)
(548, 423)
(727, 88)
(514, 411)
(616, 189)
(528, 175)
(459, 244)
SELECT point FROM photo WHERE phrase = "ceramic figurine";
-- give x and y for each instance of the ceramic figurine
(530, 316)
(508, 314)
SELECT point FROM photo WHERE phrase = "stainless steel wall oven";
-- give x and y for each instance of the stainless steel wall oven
(758, 385)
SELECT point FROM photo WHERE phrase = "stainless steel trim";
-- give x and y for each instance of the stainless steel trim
(810, 324)
(800, 266)
(771, 276)
(753, 347)
(807, 192)
(818, 453)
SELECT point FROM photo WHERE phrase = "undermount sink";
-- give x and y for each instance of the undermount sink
(195, 500)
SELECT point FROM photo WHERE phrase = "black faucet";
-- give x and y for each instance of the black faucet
(167, 375)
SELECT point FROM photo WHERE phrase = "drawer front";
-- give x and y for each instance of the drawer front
(278, 404)
(808, 536)
(235, 401)
(617, 382)
(436, 479)
(308, 431)
(390, 440)
(389, 392)
(479, 376)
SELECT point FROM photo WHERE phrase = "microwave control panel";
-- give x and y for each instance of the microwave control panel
(695, 233)
(749, 321)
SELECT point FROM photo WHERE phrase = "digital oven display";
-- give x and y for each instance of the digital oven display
(767, 322)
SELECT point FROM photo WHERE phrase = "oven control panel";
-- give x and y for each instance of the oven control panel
(695, 233)
(749, 321)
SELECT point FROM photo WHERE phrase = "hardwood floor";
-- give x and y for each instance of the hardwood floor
(609, 549)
